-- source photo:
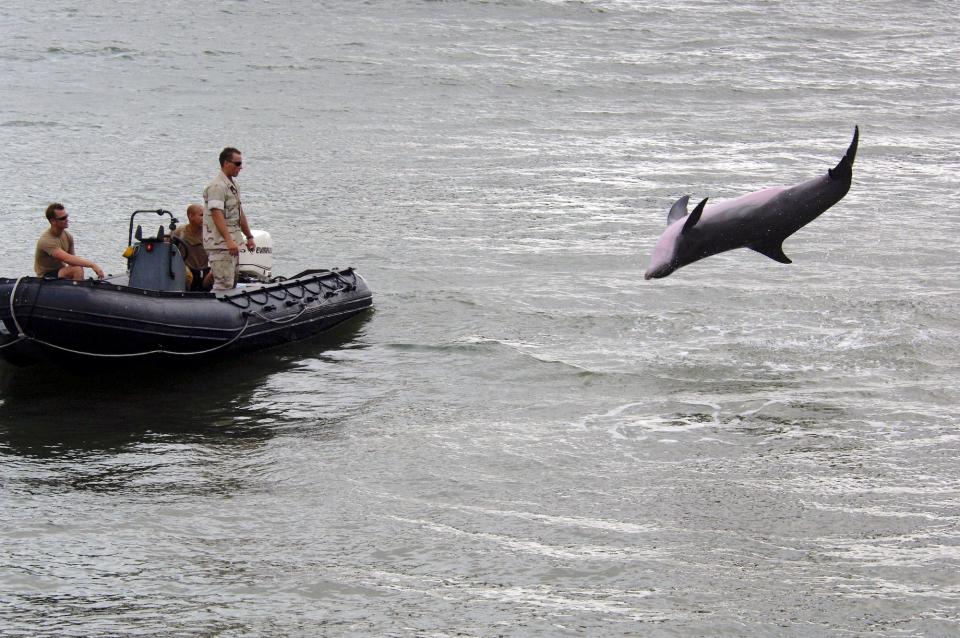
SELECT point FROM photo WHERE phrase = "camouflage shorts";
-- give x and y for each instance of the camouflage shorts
(223, 265)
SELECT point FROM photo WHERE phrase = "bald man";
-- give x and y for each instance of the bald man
(198, 268)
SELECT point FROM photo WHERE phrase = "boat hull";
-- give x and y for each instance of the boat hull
(102, 321)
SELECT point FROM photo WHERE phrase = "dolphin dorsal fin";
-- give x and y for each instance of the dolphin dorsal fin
(694, 216)
(678, 210)
(773, 250)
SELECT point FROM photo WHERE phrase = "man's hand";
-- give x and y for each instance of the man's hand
(251, 244)
(97, 269)
(232, 248)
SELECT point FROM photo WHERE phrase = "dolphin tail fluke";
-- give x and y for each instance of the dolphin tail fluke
(844, 170)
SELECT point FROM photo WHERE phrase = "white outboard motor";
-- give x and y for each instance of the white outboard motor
(257, 265)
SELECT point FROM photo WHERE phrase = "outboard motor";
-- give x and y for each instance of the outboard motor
(155, 263)
(257, 265)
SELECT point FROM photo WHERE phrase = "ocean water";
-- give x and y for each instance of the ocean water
(525, 438)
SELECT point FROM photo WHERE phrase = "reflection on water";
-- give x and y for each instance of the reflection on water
(52, 412)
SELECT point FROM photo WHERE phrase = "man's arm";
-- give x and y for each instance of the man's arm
(245, 227)
(61, 255)
(216, 214)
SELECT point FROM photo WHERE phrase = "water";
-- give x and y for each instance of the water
(525, 438)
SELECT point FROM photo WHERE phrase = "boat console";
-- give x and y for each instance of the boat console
(156, 263)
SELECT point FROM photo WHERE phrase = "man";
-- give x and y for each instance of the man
(196, 261)
(224, 221)
(55, 256)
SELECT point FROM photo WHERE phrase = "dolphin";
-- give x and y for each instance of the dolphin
(760, 221)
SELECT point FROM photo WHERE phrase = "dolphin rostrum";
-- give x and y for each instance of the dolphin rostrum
(760, 221)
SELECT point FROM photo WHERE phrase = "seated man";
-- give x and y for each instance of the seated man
(199, 277)
(54, 256)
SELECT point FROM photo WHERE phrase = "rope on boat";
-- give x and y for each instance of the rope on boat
(13, 293)
(10, 343)
(285, 290)
(278, 321)
(24, 336)
(303, 292)
(21, 335)
(350, 285)
(305, 285)
(123, 355)
(232, 300)
(281, 297)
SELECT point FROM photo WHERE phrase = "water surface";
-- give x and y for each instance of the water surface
(525, 438)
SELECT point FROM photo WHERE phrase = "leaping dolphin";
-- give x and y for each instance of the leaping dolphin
(760, 221)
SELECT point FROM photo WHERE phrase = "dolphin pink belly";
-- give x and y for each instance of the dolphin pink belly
(750, 200)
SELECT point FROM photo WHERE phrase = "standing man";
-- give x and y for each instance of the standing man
(224, 224)
(197, 262)
(54, 256)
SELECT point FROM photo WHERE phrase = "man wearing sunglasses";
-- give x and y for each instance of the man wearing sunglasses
(55, 256)
(224, 223)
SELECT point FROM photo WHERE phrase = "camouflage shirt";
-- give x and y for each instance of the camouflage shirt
(222, 193)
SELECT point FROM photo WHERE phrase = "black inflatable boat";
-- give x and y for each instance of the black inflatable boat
(145, 314)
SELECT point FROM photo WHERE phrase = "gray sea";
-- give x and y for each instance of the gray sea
(524, 438)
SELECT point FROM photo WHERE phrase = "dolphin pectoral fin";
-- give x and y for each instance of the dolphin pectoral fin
(694, 216)
(773, 250)
(679, 210)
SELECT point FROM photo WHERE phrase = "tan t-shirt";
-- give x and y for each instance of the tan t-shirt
(222, 193)
(196, 255)
(43, 262)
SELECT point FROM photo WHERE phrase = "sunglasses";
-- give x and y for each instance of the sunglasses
(237, 164)
(62, 219)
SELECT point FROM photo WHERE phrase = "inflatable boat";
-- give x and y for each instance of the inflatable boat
(146, 314)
